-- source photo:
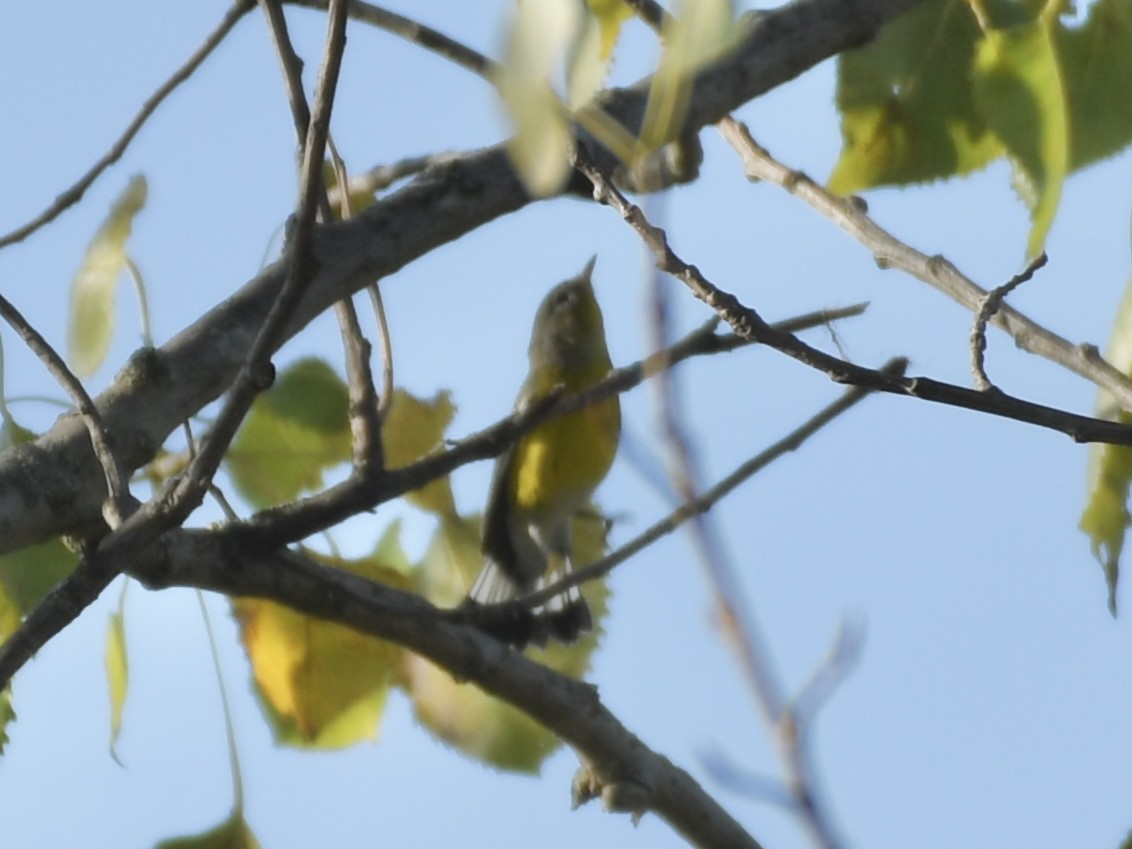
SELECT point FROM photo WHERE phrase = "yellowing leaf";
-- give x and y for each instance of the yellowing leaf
(1105, 519)
(479, 725)
(700, 32)
(95, 285)
(117, 674)
(907, 110)
(1019, 89)
(294, 432)
(414, 428)
(233, 833)
(323, 685)
(9, 622)
(542, 142)
(591, 54)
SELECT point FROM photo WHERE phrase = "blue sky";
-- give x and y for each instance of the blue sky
(990, 702)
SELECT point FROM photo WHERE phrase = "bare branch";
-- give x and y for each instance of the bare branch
(850, 215)
(120, 501)
(709, 497)
(569, 708)
(988, 306)
(749, 324)
(74, 193)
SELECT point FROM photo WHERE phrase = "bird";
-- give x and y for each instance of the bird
(547, 476)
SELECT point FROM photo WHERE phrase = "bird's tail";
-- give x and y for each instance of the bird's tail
(565, 617)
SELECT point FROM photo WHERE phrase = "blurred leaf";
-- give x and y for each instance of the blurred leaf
(117, 675)
(1105, 518)
(477, 724)
(699, 32)
(323, 685)
(591, 54)
(540, 148)
(96, 282)
(233, 833)
(9, 622)
(1020, 90)
(360, 199)
(908, 112)
(12, 433)
(414, 428)
(294, 432)
(1097, 68)
(31, 573)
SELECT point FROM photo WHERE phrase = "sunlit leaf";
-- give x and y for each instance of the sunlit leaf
(1105, 519)
(907, 108)
(30, 573)
(323, 685)
(96, 283)
(233, 833)
(479, 725)
(117, 674)
(413, 428)
(294, 432)
(591, 55)
(1020, 90)
(540, 34)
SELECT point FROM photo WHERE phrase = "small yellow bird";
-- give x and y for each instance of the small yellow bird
(548, 475)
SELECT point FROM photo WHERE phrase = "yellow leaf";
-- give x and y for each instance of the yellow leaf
(95, 285)
(117, 674)
(480, 725)
(324, 685)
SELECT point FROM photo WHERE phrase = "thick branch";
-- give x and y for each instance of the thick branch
(53, 485)
(569, 708)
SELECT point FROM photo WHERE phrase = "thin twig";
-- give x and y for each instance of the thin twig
(365, 412)
(120, 502)
(851, 215)
(988, 306)
(74, 193)
(747, 323)
(413, 32)
(299, 519)
(257, 373)
(709, 497)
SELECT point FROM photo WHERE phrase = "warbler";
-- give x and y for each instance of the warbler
(547, 476)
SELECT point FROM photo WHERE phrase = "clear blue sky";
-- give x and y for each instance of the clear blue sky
(991, 703)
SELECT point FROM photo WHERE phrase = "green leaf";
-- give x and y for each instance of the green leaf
(117, 675)
(233, 833)
(907, 109)
(31, 573)
(294, 432)
(1019, 88)
(480, 725)
(95, 285)
(1097, 67)
(1105, 519)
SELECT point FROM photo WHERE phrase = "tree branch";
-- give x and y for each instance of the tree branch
(748, 324)
(569, 708)
(51, 486)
